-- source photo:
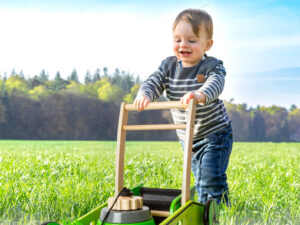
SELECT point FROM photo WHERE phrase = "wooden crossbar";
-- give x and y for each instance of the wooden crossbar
(160, 213)
(155, 127)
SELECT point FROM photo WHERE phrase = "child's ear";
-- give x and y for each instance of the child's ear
(209, 44)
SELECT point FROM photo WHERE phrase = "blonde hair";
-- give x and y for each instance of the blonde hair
(197, 18)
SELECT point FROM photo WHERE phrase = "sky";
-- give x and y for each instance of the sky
(250, 37)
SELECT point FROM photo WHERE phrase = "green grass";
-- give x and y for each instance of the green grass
(61, 180)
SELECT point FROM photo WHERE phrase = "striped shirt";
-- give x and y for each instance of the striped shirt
(177, 81)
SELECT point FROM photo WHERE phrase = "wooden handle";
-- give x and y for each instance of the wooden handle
(189, 126)
(188, 144)
(157, 105)
(121, 138)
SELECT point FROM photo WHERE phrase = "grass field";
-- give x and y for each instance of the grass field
(61, 180)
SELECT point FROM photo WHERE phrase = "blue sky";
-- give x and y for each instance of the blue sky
(251, 37)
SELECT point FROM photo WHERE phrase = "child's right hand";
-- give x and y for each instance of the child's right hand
(141, 102)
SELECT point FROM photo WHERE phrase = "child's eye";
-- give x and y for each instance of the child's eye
(192, 41)
(177, 40)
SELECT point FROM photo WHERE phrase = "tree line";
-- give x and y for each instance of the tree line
(66, 109)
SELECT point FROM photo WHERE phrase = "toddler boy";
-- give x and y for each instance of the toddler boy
(192, 74)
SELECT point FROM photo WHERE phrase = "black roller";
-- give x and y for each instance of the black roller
(158, 198)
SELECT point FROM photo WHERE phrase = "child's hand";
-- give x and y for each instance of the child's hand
(141, 102)
(198, 96)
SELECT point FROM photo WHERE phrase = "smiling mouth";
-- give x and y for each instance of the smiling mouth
(184, 53)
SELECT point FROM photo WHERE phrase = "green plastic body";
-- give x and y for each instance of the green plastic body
(176, 203)
(189, 214)
(149, 222)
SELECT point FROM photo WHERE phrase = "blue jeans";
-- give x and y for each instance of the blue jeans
(209, 163)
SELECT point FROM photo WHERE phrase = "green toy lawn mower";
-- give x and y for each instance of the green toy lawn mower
(152, 206)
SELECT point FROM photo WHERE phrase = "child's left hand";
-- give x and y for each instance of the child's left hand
(198, 96)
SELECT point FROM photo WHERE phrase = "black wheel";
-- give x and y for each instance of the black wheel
(211, 212)
(50, 223)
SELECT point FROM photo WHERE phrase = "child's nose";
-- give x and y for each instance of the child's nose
(183, 44)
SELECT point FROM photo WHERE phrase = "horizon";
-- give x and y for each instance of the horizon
(249, 37)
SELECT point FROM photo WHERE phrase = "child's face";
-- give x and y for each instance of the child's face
(187, 46)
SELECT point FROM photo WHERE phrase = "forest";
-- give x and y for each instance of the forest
(39, 108)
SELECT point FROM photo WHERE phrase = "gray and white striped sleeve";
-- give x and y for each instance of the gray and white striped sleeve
(154, 85)
(214, 84)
